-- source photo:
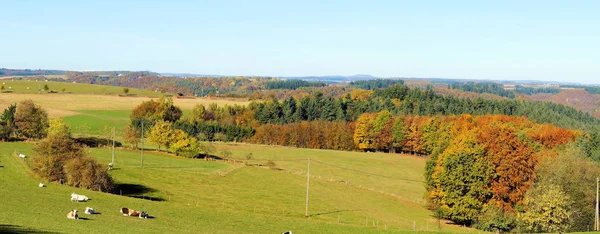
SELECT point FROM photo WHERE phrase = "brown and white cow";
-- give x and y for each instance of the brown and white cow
(131, 212)
(73, 214)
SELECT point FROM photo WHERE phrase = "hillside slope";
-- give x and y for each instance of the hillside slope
(189, 196)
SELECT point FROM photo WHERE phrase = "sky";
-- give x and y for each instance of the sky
(489, 40)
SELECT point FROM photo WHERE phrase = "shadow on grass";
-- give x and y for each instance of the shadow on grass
(14, 229)
(331, 212)
(136, 191)
(95, 142)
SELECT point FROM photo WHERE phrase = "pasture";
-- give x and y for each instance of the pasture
(34, 86)
(197, 196)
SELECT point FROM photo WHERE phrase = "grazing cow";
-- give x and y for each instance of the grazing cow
(78, 198)
(22, 156)
(131, 212)
(42, 185)
(288, 232)
(89, 210)
(73, 215)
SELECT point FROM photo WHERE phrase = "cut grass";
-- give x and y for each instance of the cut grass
(62, 105)
(198, 200)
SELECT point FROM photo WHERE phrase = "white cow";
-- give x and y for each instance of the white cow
(77, 197)
(22, 156)
(73, 215)
(42, 185)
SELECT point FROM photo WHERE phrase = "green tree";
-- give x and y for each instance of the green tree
(398, 132)
(31, 120)
(7, 122)
(547, 209)
(46, 88)
(463, 180)
(126, 90)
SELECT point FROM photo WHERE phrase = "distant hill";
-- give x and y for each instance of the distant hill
(29, 72)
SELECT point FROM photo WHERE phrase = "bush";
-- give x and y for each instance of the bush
(85, 172)
(63, 160)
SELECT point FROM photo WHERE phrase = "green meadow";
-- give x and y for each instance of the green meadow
(197, 196)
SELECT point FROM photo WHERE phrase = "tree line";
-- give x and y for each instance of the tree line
(375, 84)
(535, 90)
(483, 87)
(400, 99)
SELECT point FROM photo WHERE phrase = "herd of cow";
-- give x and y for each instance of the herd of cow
(88, 210)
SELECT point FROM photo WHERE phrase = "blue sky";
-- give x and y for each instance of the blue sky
(541, 40)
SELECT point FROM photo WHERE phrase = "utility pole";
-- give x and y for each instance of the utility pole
(142, 144)
(113, 148)
(596, 221)
(307, 183)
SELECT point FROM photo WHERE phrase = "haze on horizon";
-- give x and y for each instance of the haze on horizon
(508, 40)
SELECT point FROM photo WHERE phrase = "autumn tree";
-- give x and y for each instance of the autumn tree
(574, 172)
(362, 138)
(151, 111)
(131, 136)
(162, 134)
(547, 209)
(31, 120)
(512, 159)
(58, 128)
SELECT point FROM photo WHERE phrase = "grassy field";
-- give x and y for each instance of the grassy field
(196, 196)
(31, 86)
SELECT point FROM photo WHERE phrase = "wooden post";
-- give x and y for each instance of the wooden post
(142, 153)
(307, 184)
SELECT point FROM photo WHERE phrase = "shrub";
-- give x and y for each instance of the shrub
(63, 160)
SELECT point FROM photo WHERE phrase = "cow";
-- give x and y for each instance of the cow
(89, 210)
(78, 198)
(22, 156)
(41, 185)
(131, 212)
(73, 214)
